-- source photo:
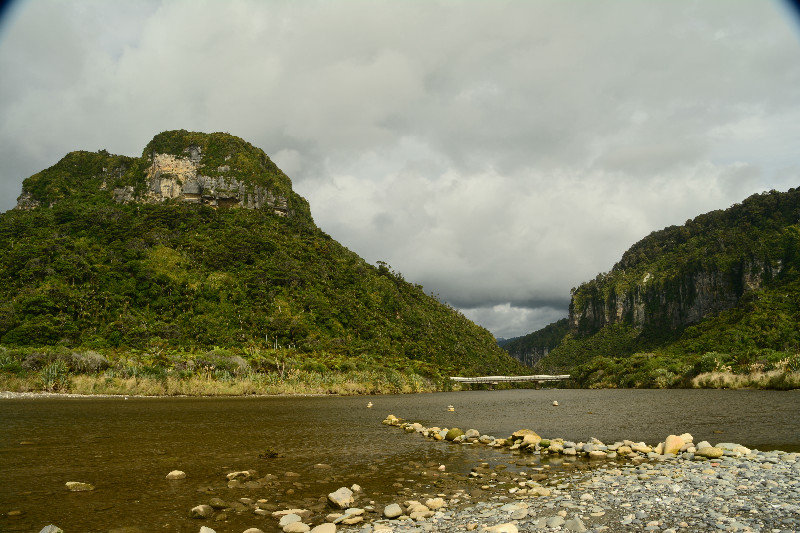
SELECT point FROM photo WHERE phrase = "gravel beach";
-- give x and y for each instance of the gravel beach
(673, 486)
(759, 493)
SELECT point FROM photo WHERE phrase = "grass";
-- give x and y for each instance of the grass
(773, 379)
(298, 382)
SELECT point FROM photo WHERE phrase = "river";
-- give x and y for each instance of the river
(125, 447)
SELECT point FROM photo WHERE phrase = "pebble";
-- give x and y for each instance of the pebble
(202, 511)
(627, 486)
(176, 474)
(78, 486)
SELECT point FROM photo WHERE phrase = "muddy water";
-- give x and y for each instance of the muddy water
(126, 447)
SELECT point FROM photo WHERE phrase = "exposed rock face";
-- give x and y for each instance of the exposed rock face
(26, 201)
(682, 301)
(213, 169)
(177, 178)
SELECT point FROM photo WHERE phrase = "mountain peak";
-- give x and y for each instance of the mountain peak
(214, 169)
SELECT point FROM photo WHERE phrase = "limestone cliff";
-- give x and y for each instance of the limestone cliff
(676, 302)
(679, 275)
(216, 170)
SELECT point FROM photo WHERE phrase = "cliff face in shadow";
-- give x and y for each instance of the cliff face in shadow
(720, 293)
(679, 275)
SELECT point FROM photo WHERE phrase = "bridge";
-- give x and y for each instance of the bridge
(494, 380)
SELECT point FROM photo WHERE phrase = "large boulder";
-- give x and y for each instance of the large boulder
(520, 434)
(288, 519)
(342, 498)
(218, 503)
(737, 449)
(391, 420)
(296, 527)
(531, 439)
(393, 510)
(673, 444)
(434, 504)
(710, 452)
(453, 433)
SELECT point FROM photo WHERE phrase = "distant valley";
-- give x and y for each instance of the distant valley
(714, 302)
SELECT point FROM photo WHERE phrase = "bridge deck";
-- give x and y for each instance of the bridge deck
(506, 379)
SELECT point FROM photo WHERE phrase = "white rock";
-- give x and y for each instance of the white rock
(324, 528)
(392, 510)
(341, 498)
(205, 529)
(78, 486)
(356, 487)
(302, 513)
(253, 530)
(176, 474)
(434, 503)
(296, 527)
(202, 511)
(289, 519)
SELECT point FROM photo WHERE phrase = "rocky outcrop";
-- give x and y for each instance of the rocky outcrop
(26, 201)
(212, 169)
(676, 302)
(171, 177)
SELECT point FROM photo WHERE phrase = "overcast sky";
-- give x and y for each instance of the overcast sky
(498, 153)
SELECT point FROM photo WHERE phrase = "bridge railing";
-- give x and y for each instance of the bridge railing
(507, 379)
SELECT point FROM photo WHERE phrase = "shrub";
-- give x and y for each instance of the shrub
(55, 376)
(88, 362)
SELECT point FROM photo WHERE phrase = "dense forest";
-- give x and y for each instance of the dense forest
(713, 302)
(170, 284)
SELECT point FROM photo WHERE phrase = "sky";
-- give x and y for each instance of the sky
(499, 153)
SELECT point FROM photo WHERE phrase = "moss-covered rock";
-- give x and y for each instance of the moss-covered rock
(453, 433)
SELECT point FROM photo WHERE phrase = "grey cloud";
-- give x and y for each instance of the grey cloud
(499, 153)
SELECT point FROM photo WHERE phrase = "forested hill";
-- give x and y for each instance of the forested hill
(719, 293)
(531, 348)
(202, 243)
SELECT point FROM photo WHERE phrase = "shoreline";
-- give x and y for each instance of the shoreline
(666, 497)
(736, 489)
(45, 395)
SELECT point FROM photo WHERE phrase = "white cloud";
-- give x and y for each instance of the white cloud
(498, 152)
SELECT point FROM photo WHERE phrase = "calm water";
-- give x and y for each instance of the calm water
(126, 447)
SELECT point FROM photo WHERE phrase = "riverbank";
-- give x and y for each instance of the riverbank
(736, 490)
(290, 384)
(673, 486)
(668, 497)
(297, 450)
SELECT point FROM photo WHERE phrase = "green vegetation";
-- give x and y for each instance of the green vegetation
(739, 268)
(208, 373)
(152, 289)
(530, 348)
(680, 274)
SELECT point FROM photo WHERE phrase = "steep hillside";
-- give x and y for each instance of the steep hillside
(719, 293)
(201, 244)
(531, 348)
